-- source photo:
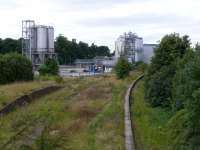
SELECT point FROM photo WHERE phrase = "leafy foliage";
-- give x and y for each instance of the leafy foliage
(178, 91)
(122, 68)
(187, 85)
(10, 45)
(177, 128)
(140, 66)
(14, 67)
(161, 71)
(69, 51)
(49, 68)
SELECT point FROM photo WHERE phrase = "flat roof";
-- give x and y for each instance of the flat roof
(150, 44)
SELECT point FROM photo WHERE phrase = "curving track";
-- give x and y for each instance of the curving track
(25, 99)
(129, 138)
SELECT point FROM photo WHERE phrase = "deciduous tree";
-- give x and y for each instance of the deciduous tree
(158, 83)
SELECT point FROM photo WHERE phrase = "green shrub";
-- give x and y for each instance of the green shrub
(50, 67)
(122, 68)
(59, 79)
(46, 77)
(178, 131)
(187, 93)
(53, 66)
(179, 81)
(160, 74)
(14, 67)
(141, 66)
(43, 70)
(159, 92)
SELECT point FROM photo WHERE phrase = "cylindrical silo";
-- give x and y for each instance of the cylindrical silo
(51, 39)
(33, 38)
(42, 43)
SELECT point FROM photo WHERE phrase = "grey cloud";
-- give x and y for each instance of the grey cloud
(88, 4)
(8, 4)
(152, 26)
(136, 19)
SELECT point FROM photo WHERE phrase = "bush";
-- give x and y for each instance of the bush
(160, 87)
(177, 129)
(160, 74)
(178, 90)
(59, 79)
(14, 67)
(49, 68)
(187, 93)
(43, 70)
(122, 68)
(141, 66)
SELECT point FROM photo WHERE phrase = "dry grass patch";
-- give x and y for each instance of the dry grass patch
(77, 125)
(81, 109)
(100, 91)
(87, 113)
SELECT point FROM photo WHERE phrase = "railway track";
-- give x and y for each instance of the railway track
(35, 95)
(26, 99)
(129, 135)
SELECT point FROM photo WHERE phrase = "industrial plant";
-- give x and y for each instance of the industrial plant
(38, 46)
(130, 46)
(37, 42)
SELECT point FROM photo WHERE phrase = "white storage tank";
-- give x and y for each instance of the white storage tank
(51, 39)
(33, 38)
(42, 38)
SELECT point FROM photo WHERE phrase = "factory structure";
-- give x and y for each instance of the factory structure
(130, 46)
(37, 42)
(38, 46)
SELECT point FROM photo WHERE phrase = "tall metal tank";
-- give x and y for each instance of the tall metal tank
(42, 38)
(50, 39)
(33, 38)
(37, 42)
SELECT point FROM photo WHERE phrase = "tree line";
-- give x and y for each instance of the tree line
(15, 67)
(172, 81)
(68, 51)
(9, 45)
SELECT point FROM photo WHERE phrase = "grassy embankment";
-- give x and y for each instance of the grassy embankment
(86, 114)
(11, 91)
(150, 124)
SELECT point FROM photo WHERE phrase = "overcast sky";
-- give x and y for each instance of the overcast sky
(102, 21)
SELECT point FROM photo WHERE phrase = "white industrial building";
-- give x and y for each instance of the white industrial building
(37, 42)
(130, 46)
(148, 52)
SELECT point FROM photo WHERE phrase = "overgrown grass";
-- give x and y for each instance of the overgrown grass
(108, 127)
(150, 124)
(57, 79)
(11, 91)
(86, 114)
(48, 111)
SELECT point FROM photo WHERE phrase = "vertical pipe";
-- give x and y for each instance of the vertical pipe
(30, 37)
(22, 39)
